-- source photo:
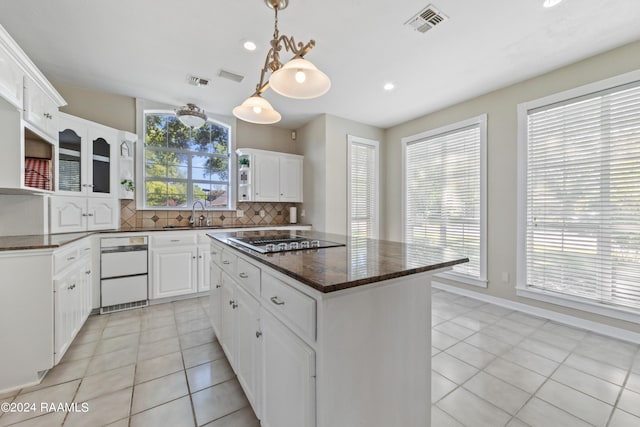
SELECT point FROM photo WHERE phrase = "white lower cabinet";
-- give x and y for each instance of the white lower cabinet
(227, 323)
(69, 214)
(204, 275)
(215, 298)
(288, 367)
(72, 289)
(247, 341)
(174, 271)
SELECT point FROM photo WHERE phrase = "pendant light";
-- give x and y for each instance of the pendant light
(256, 109)
(298, 78)
(191, 115)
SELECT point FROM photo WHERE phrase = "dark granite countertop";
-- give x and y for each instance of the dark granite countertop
(359, 262)
(46, 241)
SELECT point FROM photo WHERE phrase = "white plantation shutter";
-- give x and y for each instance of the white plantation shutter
(363, 157)
(582, 234)
(443, 197)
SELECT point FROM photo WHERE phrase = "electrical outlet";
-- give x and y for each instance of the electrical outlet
(302, 212)
(262, 214)
(239, 213)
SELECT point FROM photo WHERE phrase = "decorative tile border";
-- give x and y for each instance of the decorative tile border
(275, 214)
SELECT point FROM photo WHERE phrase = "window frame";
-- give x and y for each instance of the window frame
(352, 139)
(481, 122)
(570, 301)
(143, 110)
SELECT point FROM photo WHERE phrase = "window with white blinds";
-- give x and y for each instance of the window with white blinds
(363, 187)
(445, 193)
(581, 183)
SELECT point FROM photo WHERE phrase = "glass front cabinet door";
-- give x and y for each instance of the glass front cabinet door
(86, 157)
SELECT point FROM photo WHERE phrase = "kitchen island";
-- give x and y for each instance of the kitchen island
(327, 337)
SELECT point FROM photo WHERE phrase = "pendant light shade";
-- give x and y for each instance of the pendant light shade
(191, 115)
(299, 79)
(256, 109)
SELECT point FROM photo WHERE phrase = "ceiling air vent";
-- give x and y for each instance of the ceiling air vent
(197, 81)
(231, 76)
(426, 19)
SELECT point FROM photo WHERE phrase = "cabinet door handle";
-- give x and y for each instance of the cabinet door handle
(214, 253)
(71, 258)
(200, 256)
(277, 301)
(234, 306)
(226, 262)
(244, 275)
(258, 334)
(90, 214)
(85, 214)
(231, 302)
(218, 286)
(48, 116)
(194, 257)
(87, 272)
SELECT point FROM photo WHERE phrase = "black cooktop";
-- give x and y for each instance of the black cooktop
(282, 243)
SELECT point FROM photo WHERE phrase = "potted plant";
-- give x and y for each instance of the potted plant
(244, 162)
(127, 184)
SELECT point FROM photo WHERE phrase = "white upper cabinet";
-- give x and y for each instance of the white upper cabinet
(290, 179)
(28, 129)
(269, 176)
(267, 185)
(73, 214)
(10, 79)
(39, 109)
(87, 158)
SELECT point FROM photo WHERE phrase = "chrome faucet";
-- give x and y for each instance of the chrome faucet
(192, 220)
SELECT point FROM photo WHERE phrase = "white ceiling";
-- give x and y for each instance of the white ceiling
(146, 48)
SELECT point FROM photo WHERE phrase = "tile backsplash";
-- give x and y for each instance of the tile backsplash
(274, 214)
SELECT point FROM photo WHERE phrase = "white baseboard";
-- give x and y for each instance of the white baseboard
(576, 322)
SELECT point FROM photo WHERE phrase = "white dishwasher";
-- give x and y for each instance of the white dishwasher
(123, 273)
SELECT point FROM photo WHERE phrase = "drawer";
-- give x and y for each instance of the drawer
(64, 258)
(292, 307)
(228, 261)
(172, 239)
(216, 253)
(248, 277)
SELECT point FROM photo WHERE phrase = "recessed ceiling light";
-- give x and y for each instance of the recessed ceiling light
(550, 3)
(249, 45)
(389, 86)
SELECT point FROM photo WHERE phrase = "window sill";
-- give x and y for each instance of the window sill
(583, 304)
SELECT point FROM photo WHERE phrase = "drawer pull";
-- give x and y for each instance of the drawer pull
(258, 334)
(231, 302)
(234, 306)
(277, 301)
(226, 262)
(214, 253)
(218, 286)
(71, 258)
(72, 287)
(193, 257)
(174, 240)
(244, 275)
(87, 272)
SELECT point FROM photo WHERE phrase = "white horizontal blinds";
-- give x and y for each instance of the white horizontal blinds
(443, 194)
(363, 190)
(583, 197)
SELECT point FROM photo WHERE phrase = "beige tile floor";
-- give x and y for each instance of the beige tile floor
(493, 367)
(155, 366)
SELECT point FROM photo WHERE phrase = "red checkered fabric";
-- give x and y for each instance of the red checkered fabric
(37, 173)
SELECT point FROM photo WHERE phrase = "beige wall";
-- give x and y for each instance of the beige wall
(111, 110)
(324, 145)
(265, 138)
(336, 164)
(500, 107)
(312, 142)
